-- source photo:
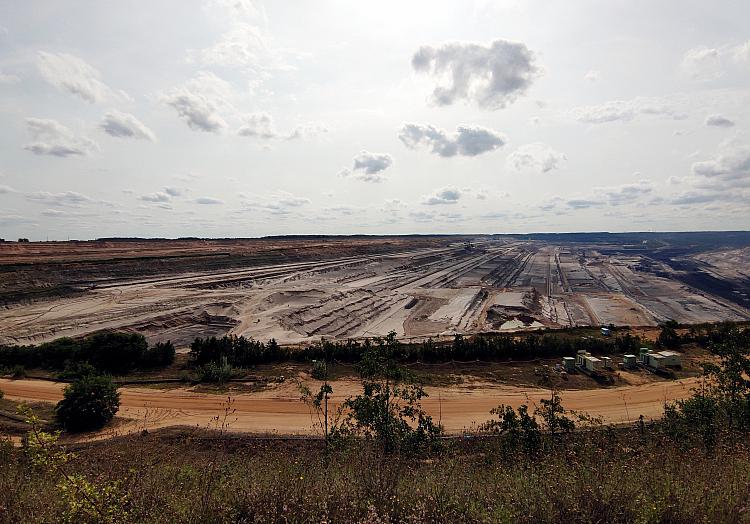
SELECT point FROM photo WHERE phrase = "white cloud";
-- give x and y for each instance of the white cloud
(52, 138)
(491, 76)
(262, 126)
(730, 168)
(258, 125)
(618, 195)
(719, 121)
(446, 195)
(537, 157)
(159, 196)
(244, 44)
(71, 73)
(4, 190)
(742, 52)
(67, 198)
(174, 191)
(372, 163)
(125, 125)
(466, 141)
(626, 110)
(710, 63)
(199, 100)
(208, 201)
(369, 167)
(236, 9)
(626, 193)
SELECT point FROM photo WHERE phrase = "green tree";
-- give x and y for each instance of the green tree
(554, 415)
(518, 428)
(389, 410)
(729, 377)
(114, 353)
(668, 336)
(88, 403)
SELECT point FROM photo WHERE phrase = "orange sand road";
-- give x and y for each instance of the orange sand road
(278, 410)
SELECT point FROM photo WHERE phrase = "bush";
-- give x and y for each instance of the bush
(89, 403)
(76, 370)
(216, 372)
(18, 372)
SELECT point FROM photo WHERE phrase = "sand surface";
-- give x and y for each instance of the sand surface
(279, 410)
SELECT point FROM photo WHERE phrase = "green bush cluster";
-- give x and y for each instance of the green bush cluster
(88, 403)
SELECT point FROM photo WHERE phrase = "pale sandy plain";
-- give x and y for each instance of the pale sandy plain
(429, 291)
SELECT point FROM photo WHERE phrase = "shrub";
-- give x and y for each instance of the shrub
(75, 370)
(89, 403)
(18, 371)
(216, 372)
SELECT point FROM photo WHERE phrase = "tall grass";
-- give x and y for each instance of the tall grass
(597, 476)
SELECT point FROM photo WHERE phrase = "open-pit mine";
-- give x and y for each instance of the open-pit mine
(299, 290)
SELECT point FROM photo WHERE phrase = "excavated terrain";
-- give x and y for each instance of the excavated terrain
(301, 289)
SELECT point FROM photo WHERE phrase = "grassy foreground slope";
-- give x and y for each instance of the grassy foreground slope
(599, 476)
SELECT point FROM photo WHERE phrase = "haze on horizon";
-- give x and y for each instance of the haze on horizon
(223, 118)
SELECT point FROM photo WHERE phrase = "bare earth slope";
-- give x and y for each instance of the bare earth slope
(298, 290)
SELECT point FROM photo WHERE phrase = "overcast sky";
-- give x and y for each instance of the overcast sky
(246, 118)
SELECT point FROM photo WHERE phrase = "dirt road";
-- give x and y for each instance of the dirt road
(279, 410)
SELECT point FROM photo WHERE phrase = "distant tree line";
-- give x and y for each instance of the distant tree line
(244, 352)
(111, 353)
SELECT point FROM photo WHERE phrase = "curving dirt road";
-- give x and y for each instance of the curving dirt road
(279, 410)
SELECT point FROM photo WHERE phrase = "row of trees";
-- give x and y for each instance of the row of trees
(243, 352)
(112, 353)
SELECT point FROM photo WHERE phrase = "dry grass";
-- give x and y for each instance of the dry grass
(602, 476)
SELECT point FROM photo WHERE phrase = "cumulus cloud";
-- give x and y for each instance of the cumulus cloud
(125, 125)
(72, 74)
(67, 198)
(446, 195)
(258, 125)
(369, 167)
(537, 157)
(159, 196)
(710, 63)
(730, 168)
(719, 121)
(262, 126)
(491, 76)
(466, 141)
(243, 44)
(174, 191)
(626, 193)
(208, 201)
(372, 163)
(52, 138)
(198, 101)
(626, 110)
(617, 195)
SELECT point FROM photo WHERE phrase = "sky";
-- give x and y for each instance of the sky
(243, 118)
